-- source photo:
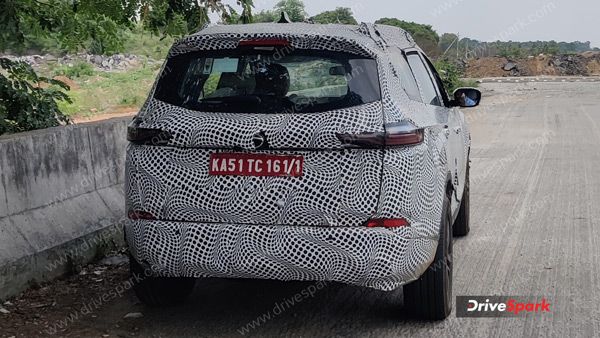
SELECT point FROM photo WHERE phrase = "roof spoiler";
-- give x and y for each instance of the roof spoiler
(285, 18)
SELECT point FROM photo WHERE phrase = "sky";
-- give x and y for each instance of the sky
(484, 20)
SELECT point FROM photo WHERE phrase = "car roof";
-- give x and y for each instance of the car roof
(367, 39)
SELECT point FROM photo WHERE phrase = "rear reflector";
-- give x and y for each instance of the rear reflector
(396, 134)
(138, 214)
(387, 223)
(264, 43)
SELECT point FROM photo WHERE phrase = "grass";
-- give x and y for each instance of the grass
(108, 92)
(99, 92)
(77, 70)
(95, 91)
(144, 43)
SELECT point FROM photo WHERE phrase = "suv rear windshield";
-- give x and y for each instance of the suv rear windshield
(263, 81)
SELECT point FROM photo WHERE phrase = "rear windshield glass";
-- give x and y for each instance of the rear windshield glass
(251, 81)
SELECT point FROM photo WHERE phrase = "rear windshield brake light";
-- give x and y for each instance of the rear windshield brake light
(264, 43)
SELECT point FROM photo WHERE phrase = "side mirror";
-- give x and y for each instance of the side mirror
(466, 97)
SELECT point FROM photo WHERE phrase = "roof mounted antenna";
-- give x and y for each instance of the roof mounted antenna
(285, 18)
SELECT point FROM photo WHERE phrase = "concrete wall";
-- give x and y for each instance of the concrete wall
(61, 200)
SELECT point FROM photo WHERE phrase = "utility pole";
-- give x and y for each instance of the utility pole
(457, 45)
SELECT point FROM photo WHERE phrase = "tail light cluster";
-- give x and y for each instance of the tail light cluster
(147, 136)
(395, 135)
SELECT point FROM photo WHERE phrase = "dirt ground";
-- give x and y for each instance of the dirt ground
(55, 308)
(124, 112)
(585, 64)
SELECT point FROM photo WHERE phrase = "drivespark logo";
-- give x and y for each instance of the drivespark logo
(500, 306)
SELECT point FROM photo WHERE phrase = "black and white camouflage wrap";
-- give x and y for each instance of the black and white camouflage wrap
(308, 228)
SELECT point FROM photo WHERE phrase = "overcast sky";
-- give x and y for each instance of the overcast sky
(485, 20)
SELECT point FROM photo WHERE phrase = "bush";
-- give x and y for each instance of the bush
(24, 102)
(77, 70)
(451, 76)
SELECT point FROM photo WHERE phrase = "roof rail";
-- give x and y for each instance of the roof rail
(379, 35)
(409, 37)
(372, 32)
(205, 26)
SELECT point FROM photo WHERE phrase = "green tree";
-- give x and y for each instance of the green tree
(98, 24)
(27, 101)
(342, 15)
(120, 11)
(24, 22)
(294, 8)
(94, 25)
(424, 35)
(265, 16)
(551, 47)
(448, 41)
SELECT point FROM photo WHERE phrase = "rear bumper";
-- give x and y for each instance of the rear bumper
(382, 259)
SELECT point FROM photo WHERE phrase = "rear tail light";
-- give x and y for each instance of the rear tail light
(396, 134)
(264, 43)
(387, 223)
(138, 214)
(148, 136)
(403, 133)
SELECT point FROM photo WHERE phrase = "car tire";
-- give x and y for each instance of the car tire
(159, 291)
(430, 296)
(461, 225)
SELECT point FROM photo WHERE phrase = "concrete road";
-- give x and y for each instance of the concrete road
(535, 182)
(544, 78)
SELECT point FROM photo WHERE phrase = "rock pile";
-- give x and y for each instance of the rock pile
(117, 62)
(113, 62)
(513, 68)
(570, 64)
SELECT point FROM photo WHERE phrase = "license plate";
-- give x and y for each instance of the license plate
(237, 164)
